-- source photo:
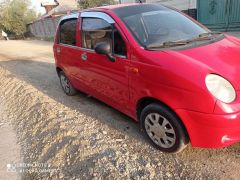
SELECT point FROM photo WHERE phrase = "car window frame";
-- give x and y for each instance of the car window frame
(120, 33)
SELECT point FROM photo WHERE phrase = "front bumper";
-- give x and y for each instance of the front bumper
(211, 130)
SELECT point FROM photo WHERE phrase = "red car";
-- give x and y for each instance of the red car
(180, 80)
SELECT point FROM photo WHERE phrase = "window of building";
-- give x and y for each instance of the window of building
(68, 32)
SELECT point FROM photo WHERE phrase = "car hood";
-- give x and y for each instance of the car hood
(222, 57)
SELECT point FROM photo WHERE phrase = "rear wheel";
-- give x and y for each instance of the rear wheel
(66, 84)
(163, 128)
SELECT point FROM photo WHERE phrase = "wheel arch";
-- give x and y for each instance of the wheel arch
(145, 101)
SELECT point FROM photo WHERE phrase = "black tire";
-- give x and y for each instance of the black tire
(178, 137)
(66, 84)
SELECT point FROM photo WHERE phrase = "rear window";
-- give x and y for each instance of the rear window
(67, 32)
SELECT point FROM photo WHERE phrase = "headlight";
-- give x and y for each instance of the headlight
(220, 88)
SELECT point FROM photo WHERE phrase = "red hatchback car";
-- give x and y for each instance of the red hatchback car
(158, 66)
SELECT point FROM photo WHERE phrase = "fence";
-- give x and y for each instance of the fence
(44, 28)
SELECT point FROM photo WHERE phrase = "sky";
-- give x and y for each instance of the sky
(37, 5)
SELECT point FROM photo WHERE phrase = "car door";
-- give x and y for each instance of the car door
(69, 52)
(68, 44)
(108, 80)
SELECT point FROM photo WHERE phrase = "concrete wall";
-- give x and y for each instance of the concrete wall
(127, 1)
(179, 4)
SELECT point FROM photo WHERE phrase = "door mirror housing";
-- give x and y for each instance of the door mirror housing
(105, 49)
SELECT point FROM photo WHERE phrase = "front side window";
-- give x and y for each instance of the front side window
(68, 32)
(96, 30)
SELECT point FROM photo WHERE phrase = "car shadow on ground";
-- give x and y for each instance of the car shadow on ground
(42, 76)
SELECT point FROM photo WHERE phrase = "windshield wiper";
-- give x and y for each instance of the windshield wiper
(200, 37)
(208, 34)
(204, 36)
(167, 44)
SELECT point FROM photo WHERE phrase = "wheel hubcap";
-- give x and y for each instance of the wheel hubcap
(160, 130)
(65, 84)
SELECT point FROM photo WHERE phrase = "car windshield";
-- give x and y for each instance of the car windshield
(154, 25)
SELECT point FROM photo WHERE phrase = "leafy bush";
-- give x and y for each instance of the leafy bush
(15, 15)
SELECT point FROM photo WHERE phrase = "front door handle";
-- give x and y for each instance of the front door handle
(84, 56)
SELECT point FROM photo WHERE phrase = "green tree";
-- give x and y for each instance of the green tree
(15, 15)
(84, 4)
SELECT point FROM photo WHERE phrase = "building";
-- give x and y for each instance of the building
(179, 4)
(70, 3)
(63, 7)
(49, 4)
(46, 25)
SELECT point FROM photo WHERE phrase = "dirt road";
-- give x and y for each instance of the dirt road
(80, 137)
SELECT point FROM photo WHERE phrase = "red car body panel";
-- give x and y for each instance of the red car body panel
(175, 78)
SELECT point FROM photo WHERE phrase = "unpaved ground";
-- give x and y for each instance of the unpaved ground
(80, 137)
(9, 149)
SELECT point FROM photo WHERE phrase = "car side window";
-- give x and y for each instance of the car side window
(96, 30)
(68, 32)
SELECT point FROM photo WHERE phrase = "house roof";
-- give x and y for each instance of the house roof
(49, 3)
(63, 7)
(70, 3)
(59, 10)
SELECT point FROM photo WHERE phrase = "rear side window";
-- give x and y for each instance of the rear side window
(68, 32)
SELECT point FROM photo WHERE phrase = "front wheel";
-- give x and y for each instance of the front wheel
(163, 128)
(66, 84)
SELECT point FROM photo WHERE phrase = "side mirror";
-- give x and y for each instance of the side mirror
(104, 48)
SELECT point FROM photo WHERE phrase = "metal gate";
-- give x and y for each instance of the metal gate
(220, 15)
